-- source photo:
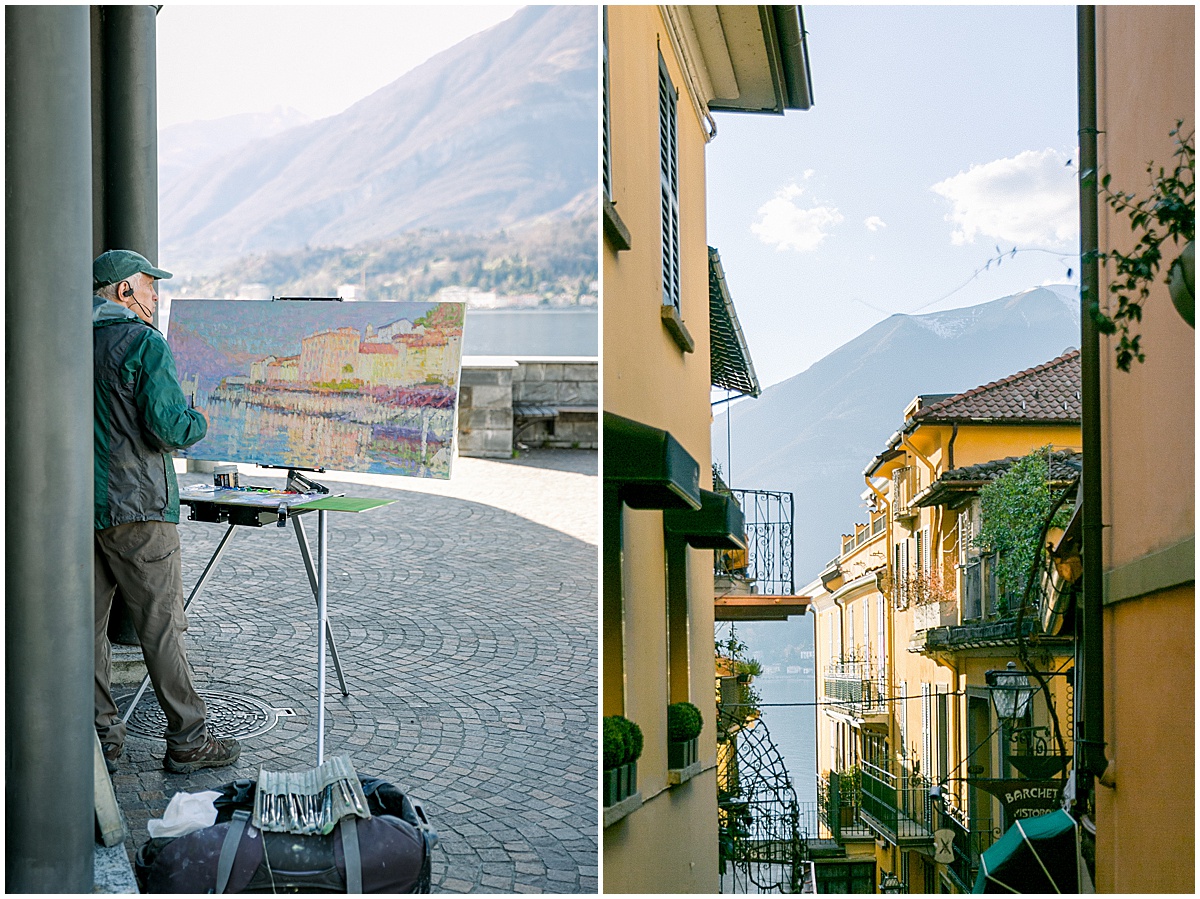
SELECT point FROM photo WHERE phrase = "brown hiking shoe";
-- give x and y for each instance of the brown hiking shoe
(215, 753)
(112, 754)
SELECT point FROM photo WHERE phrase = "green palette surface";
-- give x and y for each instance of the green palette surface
(343, 503)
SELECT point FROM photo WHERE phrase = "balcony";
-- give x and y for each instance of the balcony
(839, 795)
(757, 583)
(860, 692)
(969, 844)
(897, 805)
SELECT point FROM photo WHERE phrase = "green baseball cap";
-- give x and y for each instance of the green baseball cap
(118, 265)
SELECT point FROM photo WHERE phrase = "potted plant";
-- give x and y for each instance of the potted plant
(622, 748)
(684, 724)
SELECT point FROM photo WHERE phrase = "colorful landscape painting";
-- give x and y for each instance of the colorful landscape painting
(322, 384)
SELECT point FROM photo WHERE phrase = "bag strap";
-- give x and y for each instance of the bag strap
(348, 828)
(229, 848)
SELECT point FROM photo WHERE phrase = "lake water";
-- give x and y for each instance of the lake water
(532, 332)
(515, 332)
(793, 728)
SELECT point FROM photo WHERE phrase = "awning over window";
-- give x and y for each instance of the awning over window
(651, 467)
(731, 366)
(717, 524)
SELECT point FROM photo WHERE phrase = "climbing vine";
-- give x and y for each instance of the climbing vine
(1013, 512)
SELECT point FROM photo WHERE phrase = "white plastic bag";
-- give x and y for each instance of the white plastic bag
(185, 813)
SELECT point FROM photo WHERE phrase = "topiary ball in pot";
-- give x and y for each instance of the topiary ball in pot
(684, 722)
(636, 741)
(617, 741)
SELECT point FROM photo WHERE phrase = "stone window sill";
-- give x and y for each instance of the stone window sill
(628, 805)
(675, 327)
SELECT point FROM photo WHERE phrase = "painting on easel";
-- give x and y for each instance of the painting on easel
(316, 384)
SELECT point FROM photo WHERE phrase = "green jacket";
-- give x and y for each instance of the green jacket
(141, 416)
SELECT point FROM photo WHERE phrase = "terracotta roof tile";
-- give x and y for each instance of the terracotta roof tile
(950, 485)
(1046, 392)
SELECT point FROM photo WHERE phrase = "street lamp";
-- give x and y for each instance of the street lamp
(1011, 693)
(890, 883)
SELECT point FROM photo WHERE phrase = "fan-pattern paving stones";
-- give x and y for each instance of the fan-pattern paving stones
(467, 634)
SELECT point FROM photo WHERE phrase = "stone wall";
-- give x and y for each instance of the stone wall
(491, 385)
(485, 415)
(567, 384)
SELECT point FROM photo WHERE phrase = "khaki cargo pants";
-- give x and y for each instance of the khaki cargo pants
(142, 558)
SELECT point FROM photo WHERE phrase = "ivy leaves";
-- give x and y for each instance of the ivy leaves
(1167, 214)
(1013, 510)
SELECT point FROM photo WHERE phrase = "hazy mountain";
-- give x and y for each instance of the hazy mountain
(184, 147)
(496, 132)
(813, 434)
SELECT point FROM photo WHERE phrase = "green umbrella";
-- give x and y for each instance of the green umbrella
(1035, 855)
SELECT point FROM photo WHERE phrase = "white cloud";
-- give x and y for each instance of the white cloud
(874, 223)
(784, 224)
(1031, 198)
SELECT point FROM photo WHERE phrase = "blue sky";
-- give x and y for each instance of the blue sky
(937, 134)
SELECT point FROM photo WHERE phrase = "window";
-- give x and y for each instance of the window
(880, 651)
(845, 876)
(943, 732)
(850, 641)
(900, 566)
(926, 728)
(668, 99)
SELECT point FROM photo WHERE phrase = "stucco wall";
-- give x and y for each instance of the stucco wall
(1145, 824)
(670, 843)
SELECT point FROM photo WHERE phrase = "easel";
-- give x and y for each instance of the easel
(226, 506)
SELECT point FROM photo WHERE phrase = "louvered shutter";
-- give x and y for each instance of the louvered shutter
(606, 146)
(669, 177)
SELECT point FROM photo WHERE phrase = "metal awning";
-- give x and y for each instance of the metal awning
(650, 467)
(730, 364)
(717, 524)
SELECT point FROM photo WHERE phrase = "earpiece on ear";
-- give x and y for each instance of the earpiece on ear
(128, 292)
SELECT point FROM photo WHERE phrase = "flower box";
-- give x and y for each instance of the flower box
(620, 783)
(680, 754)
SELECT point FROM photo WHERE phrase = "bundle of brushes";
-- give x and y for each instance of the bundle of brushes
(309, 802)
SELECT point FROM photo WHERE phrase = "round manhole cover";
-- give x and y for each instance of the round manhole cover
(228, 715)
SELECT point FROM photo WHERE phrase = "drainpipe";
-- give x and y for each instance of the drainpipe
(48, 612)
(1089, 753)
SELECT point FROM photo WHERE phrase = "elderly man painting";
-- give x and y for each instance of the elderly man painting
(141, 415)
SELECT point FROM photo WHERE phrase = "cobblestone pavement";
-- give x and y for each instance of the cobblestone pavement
(467, 634)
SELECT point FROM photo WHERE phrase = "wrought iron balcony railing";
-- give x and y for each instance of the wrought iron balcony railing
(766, 563)
(898, 803)
(969, 843)
(857, 689)
(839, 795)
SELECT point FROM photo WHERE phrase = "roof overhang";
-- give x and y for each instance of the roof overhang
(717, 524)
(742, 58)
(759, 608)
(650, 467)
(730, 363)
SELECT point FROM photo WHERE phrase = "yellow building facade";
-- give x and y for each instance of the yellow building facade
(666, 70)
(1145, 803)
(909, 621)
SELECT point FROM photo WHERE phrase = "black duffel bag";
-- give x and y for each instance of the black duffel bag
(386, 853)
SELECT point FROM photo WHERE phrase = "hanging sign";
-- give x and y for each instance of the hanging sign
(943, 846)
(1021, 797)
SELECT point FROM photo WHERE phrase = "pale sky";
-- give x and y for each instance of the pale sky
(938, 135)
(216, 61)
